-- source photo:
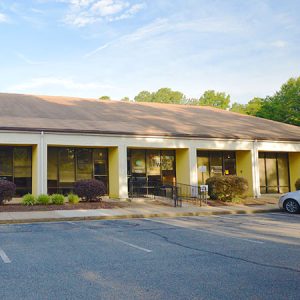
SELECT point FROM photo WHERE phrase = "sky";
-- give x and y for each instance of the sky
(91, 48)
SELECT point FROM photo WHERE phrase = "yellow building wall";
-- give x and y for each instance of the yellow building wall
(182, 166)
(294, 162)
(244, 168)
(113, 171)
(35, 170)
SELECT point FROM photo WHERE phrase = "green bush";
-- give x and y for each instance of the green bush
(43, 199)
(57, 199)
(28, 199)
(297, 184)
(226, 188)
(73, 199)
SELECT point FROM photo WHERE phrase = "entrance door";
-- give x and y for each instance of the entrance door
(274, 172)
(149, 169)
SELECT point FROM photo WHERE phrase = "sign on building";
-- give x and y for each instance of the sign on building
(202, 169)
(204, 188)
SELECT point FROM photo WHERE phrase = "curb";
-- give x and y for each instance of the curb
(140, 216)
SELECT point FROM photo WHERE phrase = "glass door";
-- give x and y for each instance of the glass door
(274, 172)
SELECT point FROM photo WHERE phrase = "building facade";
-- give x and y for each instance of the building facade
(46, 144)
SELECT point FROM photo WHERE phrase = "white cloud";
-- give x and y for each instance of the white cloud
(279, 44)
(41, 83)
(74, 3)
(145, 31)
(108, 7)
(97, 50)
(28, 60)
(80, 20)
(80, 3)
(85, 12)
(3, 18)
(129, 13)
(161, 26)
(157, 27)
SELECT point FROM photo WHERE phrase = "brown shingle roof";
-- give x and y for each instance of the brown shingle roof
(49, 113)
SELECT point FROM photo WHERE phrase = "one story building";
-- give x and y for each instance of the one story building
(47, 143)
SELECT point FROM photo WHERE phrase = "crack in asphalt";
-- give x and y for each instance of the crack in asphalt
(221, 254)
(128, 226)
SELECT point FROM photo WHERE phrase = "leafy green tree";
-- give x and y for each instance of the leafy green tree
(238, 108)
(125, 99)
(253, 106)
(104, 98)
(143, 96)
(215, 99)
(284, 105)
(166, 95)
(163, 95)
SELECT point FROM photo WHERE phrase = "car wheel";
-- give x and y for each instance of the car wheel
(291, 206)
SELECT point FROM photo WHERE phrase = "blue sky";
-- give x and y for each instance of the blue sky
(90, 48)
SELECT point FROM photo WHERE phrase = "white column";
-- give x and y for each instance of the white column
(44, 165)
(255, 170)
(186, 168)
(123, 186)
(193, 170)
(39, 167)
(118, 187)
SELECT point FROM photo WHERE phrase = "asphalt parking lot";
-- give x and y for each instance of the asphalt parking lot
(216, 257)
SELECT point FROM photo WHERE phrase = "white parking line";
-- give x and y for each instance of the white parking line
(118, 240)
(72, 223)
(217, 232)
(226, 218)
(132, 245)
(4, 257)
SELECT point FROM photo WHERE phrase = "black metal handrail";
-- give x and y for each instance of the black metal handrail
(178, 192)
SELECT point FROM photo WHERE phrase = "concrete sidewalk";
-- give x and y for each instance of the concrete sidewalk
(135, 211)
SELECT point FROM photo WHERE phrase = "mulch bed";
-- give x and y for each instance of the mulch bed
(162, 203)
(66, 206)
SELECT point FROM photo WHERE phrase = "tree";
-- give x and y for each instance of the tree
(215, 99)
(104, 98)
(284, 105)
(166, 95)
(238, 108)
(163, 95)
(125, 99)
(143, 96)
(253, 106)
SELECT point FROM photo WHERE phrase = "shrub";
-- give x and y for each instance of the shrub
(89, 190)
(43, 199)
(73, 199)
(297, 184)
(57, 199)
(226, 188)
(7, 190)
(239, 185)
(28, 199)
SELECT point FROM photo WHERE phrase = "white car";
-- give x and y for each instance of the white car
(290, 202)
